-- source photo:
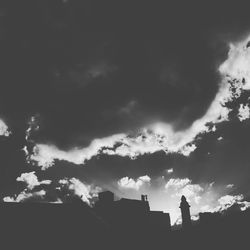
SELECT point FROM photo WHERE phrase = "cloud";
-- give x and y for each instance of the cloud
(188, 149)
(25, 196)
(227, 201)
(4, 131)
(149, 141)
(184, 187)
(156, 137)
(122, 145)
(235, 72)
(80, 189)
(31, 180)
(244, 112)
(77, 115)
(162, 136)
(217, 112)
(62, 191)
(45, 155)
(33, 125)
(129, 183)
(177, 183)
(224, 203)
(170, 170)
(237, 64)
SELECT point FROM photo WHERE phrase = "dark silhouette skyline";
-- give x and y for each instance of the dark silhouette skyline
(116, 224)
(130, 213)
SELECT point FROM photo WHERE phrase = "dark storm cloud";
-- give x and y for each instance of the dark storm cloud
(87, 70)
(79, 65)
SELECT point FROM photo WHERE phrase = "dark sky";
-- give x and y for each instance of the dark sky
(130, 97)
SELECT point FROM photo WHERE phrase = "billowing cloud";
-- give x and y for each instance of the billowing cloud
(25, 196)
(62, 191)
(177, 183)
(170, 171)
(45, 155)
(184, 187)
(80, 189)
(29, 193)
(237, 64)
(244, 112)
(227, 201)
(162, 136)
(31, 180)
(148, 141)
(130, 183)
(230, 186)
(4, 131)
(32, 126)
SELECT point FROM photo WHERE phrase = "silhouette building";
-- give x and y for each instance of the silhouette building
(130, 213)
(106, 197)
(55, 222)
(207, 218)
(116, 224)
(185, 212)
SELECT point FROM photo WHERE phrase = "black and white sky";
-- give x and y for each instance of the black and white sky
(137, 98)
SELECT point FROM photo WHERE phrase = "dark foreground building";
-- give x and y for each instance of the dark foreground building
(50, 226)
(132, 215)
(73, 224)
(121, 224)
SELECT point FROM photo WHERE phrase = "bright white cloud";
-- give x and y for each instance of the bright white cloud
(228, 201)
(170, 170)
(159, 136)
(25, 195)
(129, 183)
(31, 180)
(80, 189)
(188, 149)
(230, 186)
(233, 71)
(4, 131)
(44, 155)
(33, 126)
(244, 112)
(237, 65)
(192, 190)
(185, 187)
(177, 183)
(147, 142)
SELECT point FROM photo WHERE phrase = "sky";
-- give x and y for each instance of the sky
(135, 98)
